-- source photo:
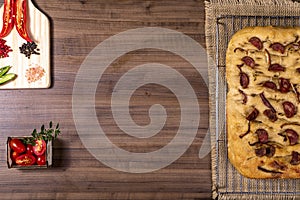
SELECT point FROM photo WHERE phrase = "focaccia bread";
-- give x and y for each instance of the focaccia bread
(262, 113)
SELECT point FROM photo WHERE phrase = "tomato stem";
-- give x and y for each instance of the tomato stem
(44, 134)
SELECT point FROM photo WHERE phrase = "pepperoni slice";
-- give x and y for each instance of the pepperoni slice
(244, 80)
(255, 41)
(289, 109)
(262, 135)
(276, 68)
(265, 151)
(271, 115)
(249, 61)
(260, 152)
(252, 116)
(270, 85)
(292, 136)
(270, 151)
(295, 158)
(284, 85)
(278, 47)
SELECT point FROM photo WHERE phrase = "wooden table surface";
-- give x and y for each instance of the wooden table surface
(77, 27)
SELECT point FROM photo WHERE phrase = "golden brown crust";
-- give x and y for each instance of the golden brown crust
(267, 82)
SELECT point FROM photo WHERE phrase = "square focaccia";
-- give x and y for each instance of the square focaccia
(262, 105)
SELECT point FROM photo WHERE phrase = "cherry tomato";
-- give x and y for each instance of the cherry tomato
(39, 148)
(14, 156)
(16, 145)
(29, 149)
(25, 160)
(41, 160)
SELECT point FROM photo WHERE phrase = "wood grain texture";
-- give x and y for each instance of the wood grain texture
(77, 27)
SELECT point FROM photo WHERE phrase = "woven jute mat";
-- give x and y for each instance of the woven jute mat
(223, 18)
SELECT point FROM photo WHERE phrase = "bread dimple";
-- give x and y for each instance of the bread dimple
(273, 84)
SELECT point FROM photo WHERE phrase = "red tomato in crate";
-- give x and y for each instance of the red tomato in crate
(17, 145)
(25, 160)
(41, 160)
(29, 149)
(40, 147)
(14, 156)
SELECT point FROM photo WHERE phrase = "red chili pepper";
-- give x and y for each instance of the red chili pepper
(8, 18)
(15, 13)
(20, 21)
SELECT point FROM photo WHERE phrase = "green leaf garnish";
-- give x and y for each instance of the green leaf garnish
(45, 134)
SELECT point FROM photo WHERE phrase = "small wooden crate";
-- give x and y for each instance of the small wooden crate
(11, 164)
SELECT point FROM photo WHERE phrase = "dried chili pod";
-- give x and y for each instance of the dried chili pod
(244, 80)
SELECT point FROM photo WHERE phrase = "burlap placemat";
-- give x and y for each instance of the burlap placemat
(227, 183)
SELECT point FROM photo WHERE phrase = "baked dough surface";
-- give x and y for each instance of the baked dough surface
(262, 113)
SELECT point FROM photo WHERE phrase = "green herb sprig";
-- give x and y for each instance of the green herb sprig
(44, 134)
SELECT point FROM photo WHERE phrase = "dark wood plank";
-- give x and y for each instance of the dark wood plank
(77, 27)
